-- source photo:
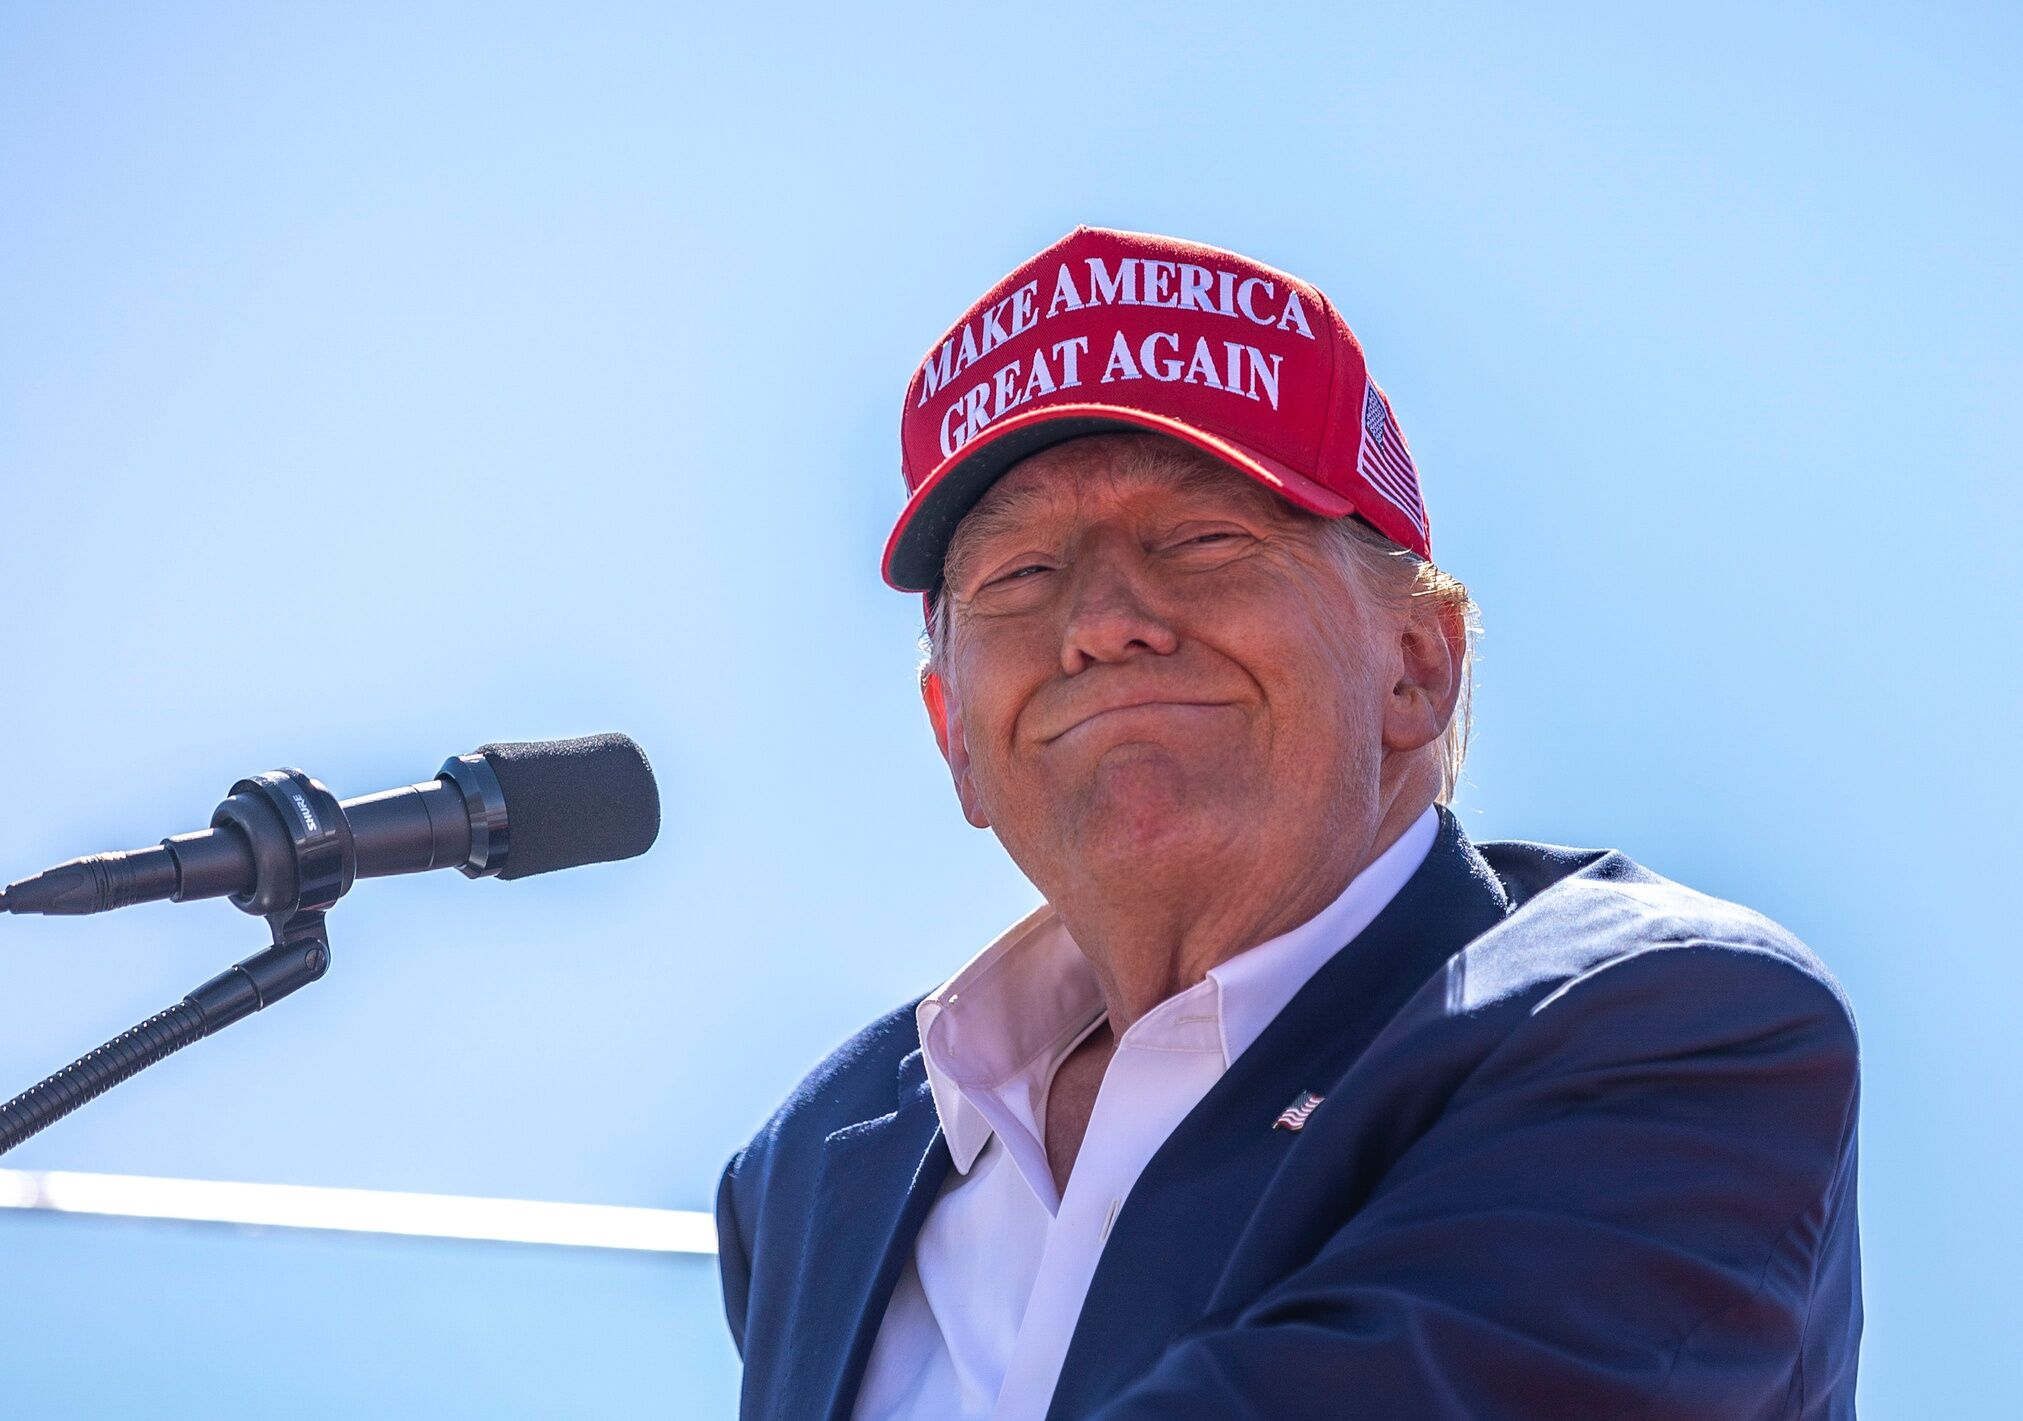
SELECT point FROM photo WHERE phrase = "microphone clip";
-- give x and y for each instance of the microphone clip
(304, 858)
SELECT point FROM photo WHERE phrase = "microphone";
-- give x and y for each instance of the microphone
(283, 841)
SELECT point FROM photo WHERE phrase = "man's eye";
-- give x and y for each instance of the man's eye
(1022, 573)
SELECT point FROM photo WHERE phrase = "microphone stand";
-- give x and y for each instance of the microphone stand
(304, 862)
(300, 955)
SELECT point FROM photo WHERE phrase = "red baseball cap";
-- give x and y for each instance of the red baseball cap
(1108, 330)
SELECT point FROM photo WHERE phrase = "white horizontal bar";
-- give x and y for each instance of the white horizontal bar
(300, 1206)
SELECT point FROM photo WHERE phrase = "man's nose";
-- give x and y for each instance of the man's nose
(1113, 613)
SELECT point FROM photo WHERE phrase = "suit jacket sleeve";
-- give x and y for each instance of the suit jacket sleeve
(734, 1263)
(1619, 1214)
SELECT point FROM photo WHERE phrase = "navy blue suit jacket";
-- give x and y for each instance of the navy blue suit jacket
(1587, 1150)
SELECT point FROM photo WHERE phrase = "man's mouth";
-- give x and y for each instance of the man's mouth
(1151, 704)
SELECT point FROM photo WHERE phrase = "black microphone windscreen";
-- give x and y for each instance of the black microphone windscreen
(572, 802)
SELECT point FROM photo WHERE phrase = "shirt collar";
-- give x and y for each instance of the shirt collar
(1000, 1024)
(1004, 1016)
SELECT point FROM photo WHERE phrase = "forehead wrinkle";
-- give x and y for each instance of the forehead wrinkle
(1001, 509)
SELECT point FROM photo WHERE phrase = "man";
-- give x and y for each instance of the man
(1290, 1101)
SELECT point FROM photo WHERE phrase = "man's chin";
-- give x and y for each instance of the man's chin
(1145, 811)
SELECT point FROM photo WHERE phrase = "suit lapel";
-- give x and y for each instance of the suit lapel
(1203, 1184)
(878, 1179)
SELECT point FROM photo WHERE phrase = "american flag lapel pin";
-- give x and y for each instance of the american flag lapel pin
(1294, 1116)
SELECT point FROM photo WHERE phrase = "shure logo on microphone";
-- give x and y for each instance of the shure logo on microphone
(308, 815)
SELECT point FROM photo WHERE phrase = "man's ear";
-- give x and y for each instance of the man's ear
(946, 718)
(1431, 645)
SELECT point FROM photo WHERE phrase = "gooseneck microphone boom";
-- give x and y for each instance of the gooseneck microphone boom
(282, 846)
(506, 810)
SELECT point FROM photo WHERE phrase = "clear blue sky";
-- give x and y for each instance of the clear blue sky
(377, 381)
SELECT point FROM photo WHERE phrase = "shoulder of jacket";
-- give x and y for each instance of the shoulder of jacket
(1577, 910)
(857, 1081)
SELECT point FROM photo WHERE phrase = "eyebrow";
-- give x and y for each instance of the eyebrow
(991, 518)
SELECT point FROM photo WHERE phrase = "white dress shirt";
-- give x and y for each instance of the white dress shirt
(980, 1320)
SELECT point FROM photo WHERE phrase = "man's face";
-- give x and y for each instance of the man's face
(1153, 661)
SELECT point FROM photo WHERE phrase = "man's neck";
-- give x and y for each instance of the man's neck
(1149, 938)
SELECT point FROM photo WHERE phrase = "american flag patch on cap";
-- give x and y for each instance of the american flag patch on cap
(1294, 1116)
(1385, 461)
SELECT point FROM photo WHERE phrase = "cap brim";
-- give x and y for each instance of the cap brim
(919, 541)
